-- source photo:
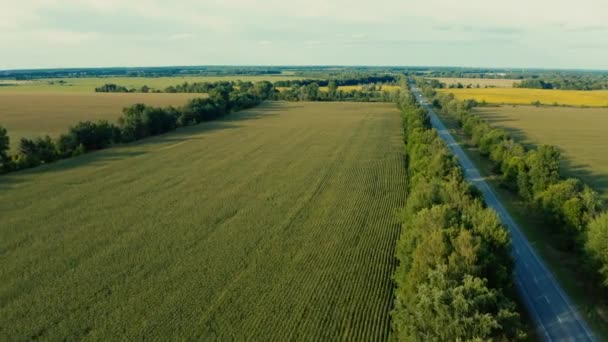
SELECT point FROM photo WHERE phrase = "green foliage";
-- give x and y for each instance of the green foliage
(263, 89)
(332, 87)
(567, 205)
(444, 309)
(341, 79)
(455, 269)
(543, 166)
(113, 88)
(565, 82)
(36, 151)
(4, 147)
(597, 244)
(137, 122)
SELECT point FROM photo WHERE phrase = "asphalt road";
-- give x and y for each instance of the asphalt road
(555, 317)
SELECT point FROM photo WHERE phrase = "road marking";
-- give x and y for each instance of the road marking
(543, 297)
(525, 246)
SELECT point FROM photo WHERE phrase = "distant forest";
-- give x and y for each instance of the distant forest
(531, 78)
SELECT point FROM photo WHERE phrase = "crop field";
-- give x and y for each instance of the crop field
(88, 84)
(580, 133)
(277, 223)
(26, 114)
(482, 82)
(595, 98)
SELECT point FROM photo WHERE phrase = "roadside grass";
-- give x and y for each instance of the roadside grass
(579, 133)
(562, 264)
(523, 96)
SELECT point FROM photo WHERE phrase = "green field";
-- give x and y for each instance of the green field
(26, 114)
(580, 133)
(274, 224)
(88, 84)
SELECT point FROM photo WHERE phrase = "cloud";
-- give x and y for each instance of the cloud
(501, 30)
(587, 29)
(540, 33)
(67, 37)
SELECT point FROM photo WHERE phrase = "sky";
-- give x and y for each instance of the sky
(468, 33)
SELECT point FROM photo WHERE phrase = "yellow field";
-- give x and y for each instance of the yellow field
(580, 133)
(596, 98)
(482, 82)
(31, 114)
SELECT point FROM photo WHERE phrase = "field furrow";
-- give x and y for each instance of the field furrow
(277, 223)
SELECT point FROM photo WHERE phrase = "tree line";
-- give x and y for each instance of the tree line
(186, 87)
(299, 91)
(205, 87)
(355, 80)
(312, 92)
(566, 82)
(137, 122)
(455, 278)
(570, 208)
(140, 121)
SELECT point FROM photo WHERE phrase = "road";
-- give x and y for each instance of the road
(555, 317)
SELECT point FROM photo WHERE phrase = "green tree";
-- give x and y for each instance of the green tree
(263, 90)
(332, 87)
(36, 151)
(4, 147)
(309, 92)
(597, 244)
(445, 310)
(544, 167)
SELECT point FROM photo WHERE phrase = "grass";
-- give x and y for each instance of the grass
(88, 84)
(482, 82)
(522, 96)
(275, 224)
(580, 133)
(563, 265)
(26, 114)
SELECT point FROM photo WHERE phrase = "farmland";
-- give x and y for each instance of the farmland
(578, 132)
(482, 82)
(277, 223)
(596, 98)
(26, 114)
(88, 84)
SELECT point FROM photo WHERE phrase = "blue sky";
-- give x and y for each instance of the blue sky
(484, 33)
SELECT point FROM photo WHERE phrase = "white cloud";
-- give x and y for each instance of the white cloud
(66, 37)
(542, 33)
